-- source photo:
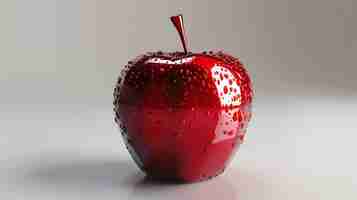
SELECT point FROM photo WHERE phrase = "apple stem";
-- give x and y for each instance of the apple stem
(178, 23)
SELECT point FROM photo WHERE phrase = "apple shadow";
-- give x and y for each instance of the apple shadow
(122, 179)
(235, 184)
(217, 188)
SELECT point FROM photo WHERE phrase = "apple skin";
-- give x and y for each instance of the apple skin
(183, 116)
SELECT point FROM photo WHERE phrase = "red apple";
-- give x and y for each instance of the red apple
(183, 115)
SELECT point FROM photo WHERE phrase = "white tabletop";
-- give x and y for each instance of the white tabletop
(297, 148)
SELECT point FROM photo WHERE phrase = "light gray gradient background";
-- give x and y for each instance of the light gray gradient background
(59, 60)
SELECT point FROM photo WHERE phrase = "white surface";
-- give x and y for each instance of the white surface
(297, 148)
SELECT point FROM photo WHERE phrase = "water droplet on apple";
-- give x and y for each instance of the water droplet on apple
(235, 116)
(119, 80)
(225, 90)
(230, 132)
(249, 116)
(241, 126)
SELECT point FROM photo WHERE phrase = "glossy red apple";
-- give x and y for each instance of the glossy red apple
(183, 115)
